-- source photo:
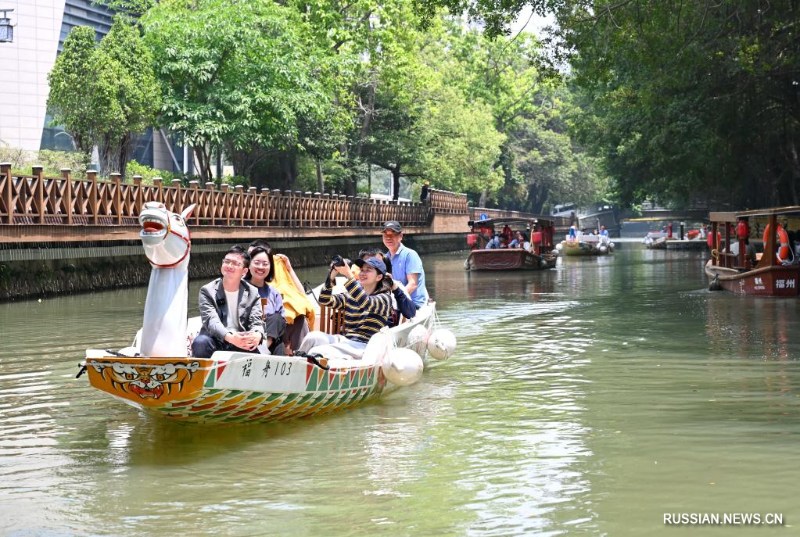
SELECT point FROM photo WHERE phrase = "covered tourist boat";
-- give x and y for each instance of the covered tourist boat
(533, 249)
(736, 267)
(158, 375)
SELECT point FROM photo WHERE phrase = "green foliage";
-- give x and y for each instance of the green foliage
(237, 180)
(238, 76)
(135, 8)
(71, 100)
(308, 94)
(495, 15)
(147, 173)
(104, 93)
(52, 162)
(688, 102)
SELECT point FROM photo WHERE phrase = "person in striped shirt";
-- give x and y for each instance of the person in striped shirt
(367, 305)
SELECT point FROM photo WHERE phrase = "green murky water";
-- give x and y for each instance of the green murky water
(591, 399)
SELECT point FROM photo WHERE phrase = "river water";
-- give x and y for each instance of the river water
(597, 398)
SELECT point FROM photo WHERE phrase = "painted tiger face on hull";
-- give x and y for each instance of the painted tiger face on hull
(147, 381)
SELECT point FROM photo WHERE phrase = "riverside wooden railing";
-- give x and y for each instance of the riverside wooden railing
(36, 199)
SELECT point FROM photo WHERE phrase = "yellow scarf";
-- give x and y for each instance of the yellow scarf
(295, 302)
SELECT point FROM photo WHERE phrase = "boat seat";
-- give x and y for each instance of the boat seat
(331, 321)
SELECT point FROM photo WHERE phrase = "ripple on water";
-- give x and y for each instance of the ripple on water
(573, 395)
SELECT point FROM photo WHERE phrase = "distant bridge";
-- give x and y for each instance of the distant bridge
(657, 215)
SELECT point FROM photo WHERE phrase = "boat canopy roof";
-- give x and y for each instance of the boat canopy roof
(511, 221)
(730, 216)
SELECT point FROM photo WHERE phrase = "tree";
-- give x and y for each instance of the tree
(237, 78)
(691, 101)
(104, 94)
(71, 99)
(127, 97)
(495, 15)
(460, 147)
(527, 99)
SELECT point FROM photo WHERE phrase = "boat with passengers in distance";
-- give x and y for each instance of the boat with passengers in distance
(158, 374)
(512, 243)
(577, 243)
(736, 267)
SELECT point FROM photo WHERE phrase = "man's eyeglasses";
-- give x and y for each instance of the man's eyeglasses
(233, 262)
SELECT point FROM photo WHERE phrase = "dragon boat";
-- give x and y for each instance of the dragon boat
(158, 375)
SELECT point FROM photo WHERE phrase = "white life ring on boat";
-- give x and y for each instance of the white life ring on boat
(783, 252)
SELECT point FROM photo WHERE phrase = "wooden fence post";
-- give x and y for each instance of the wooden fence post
(213, 206)
(226, 203)
(138, 194)
(38, 195)
(194, 197)
(158, 182)
(116, 178)
(91, 175)
(265, 204)
(177, 202)
(8, 191)
(239, 203)
(252, 200)
(65, 174)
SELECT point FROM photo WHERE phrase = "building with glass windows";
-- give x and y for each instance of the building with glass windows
(40, 28)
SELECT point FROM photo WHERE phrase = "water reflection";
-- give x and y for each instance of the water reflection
(751, 327)
(521, 398)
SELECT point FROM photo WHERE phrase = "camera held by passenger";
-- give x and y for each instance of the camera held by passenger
(339, 261)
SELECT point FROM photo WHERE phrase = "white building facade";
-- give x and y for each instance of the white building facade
(40, 28)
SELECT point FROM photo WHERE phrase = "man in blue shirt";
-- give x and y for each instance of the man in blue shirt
(406, 263)
(494, 243)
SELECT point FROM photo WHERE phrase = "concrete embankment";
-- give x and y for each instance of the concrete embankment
(49, 269)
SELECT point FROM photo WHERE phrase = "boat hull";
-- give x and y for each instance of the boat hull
(508, 259)
(239, 387)
(243, 387)
(581, 248)
(776, 280)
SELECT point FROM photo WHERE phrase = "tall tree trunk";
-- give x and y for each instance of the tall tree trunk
(320, 178)
(484, 196)
(114, 153)
(368, 109)
(245, 162)
(288, 163)
(123, 153)
(395, 182)
(203, 155)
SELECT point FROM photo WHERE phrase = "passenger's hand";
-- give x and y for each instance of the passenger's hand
(253, 339)
(245, 340)
(345, 271)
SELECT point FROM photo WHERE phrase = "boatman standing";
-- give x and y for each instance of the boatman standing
(406, 263)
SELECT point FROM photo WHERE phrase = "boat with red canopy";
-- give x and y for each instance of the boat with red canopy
(512, 243)
(736, 267)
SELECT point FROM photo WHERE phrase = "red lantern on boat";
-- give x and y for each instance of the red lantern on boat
(742, 229)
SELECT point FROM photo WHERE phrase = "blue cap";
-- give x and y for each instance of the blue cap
(379, 265)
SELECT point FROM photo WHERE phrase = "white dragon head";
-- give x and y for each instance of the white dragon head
(164, 234)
